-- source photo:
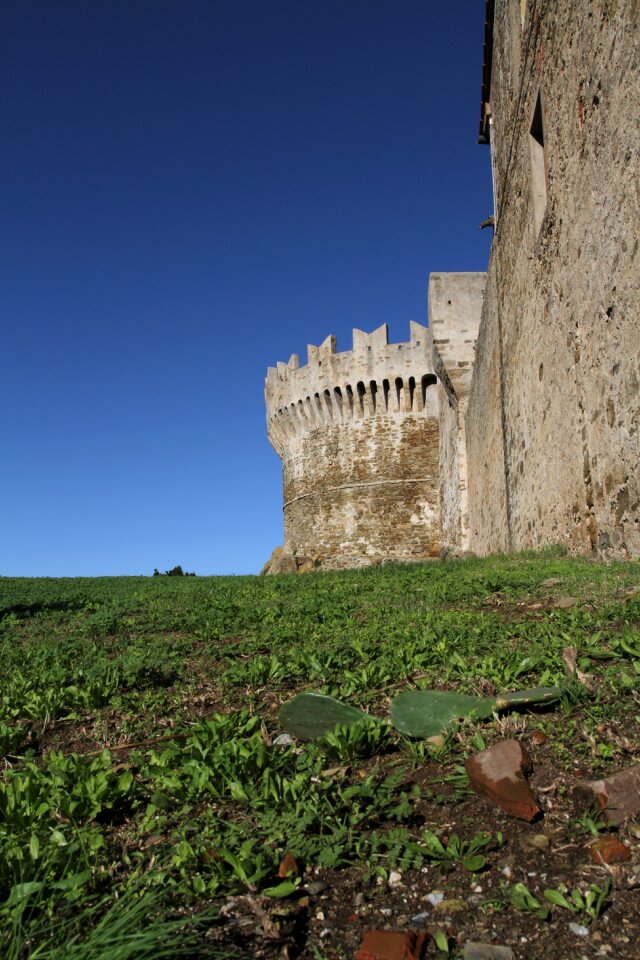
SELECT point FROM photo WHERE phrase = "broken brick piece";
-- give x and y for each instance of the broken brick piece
(609, 850)
(499, 774)
(617, 797)
(391, 945)
(289, 867)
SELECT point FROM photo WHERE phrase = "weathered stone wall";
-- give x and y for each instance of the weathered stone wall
(358, 436)
(455, 305)
(365, 491)
(488, 506)
(552, 425)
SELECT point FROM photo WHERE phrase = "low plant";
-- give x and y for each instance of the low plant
(588, 904)
(522, 899)
(450, 851)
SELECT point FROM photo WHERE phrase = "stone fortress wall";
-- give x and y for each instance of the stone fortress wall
(553, 438)
(358, 435)
(513, 421)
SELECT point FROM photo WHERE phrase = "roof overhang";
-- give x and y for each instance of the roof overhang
(485, 104)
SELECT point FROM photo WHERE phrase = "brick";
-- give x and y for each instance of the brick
(617, 797)
(391, 945)
(499, 774)
(609, 850)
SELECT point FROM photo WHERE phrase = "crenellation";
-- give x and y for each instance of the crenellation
(351, 428)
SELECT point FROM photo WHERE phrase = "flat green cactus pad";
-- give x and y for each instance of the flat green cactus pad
(312, 715)
(427, 713)
(524, 697)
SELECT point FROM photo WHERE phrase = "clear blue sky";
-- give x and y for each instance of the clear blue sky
(191, 191)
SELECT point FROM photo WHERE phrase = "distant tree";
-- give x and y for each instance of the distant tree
(174, 572)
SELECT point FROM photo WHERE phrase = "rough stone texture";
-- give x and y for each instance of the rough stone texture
(498, 773)
(455, 305)
(552, 423)
(487, 951)
(358, 436)
(617, 797)
(391, 945)
(284, 561)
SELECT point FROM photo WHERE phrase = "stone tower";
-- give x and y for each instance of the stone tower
(358, 436)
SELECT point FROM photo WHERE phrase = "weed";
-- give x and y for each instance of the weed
(587, 904)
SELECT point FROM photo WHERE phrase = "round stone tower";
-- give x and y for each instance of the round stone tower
(358, 436)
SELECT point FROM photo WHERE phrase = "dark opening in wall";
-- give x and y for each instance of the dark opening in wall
(412, 390)
(538, 172)
(373, 387)
(427, 381)
(399, 392)
(361, 393)
(386, 388)
(349, 390)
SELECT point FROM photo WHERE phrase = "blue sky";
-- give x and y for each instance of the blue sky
(193, 190)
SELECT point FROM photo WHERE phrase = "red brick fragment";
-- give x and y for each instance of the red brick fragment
(617, 797)
(539, 737)
(499, 774)
(609, 850)
(391, 945)
(288, 867)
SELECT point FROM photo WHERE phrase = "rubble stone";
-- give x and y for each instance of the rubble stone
(498, 774)
(609, 850)
(487, 951)
(617, 797)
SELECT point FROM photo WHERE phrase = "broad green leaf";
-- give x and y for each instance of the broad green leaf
(34, 846)
(557, 899)
(22, 891)
(284, 889)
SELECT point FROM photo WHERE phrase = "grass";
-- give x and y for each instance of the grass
(139, 845)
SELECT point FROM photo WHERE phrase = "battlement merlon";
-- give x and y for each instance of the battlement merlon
(455, 307)
(372, 358)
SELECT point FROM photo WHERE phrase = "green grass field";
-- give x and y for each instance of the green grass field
(142, 795)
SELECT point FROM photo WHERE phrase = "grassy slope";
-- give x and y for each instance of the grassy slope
(95, 663)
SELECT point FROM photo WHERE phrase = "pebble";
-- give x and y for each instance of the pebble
(579, 929)
(395, 879)
(283, 740)
(486, 951)
(536, 841)
(435, 897)
(316, 887)
(386, 911)
(451, 906)
(420, 917)
(563, 603)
